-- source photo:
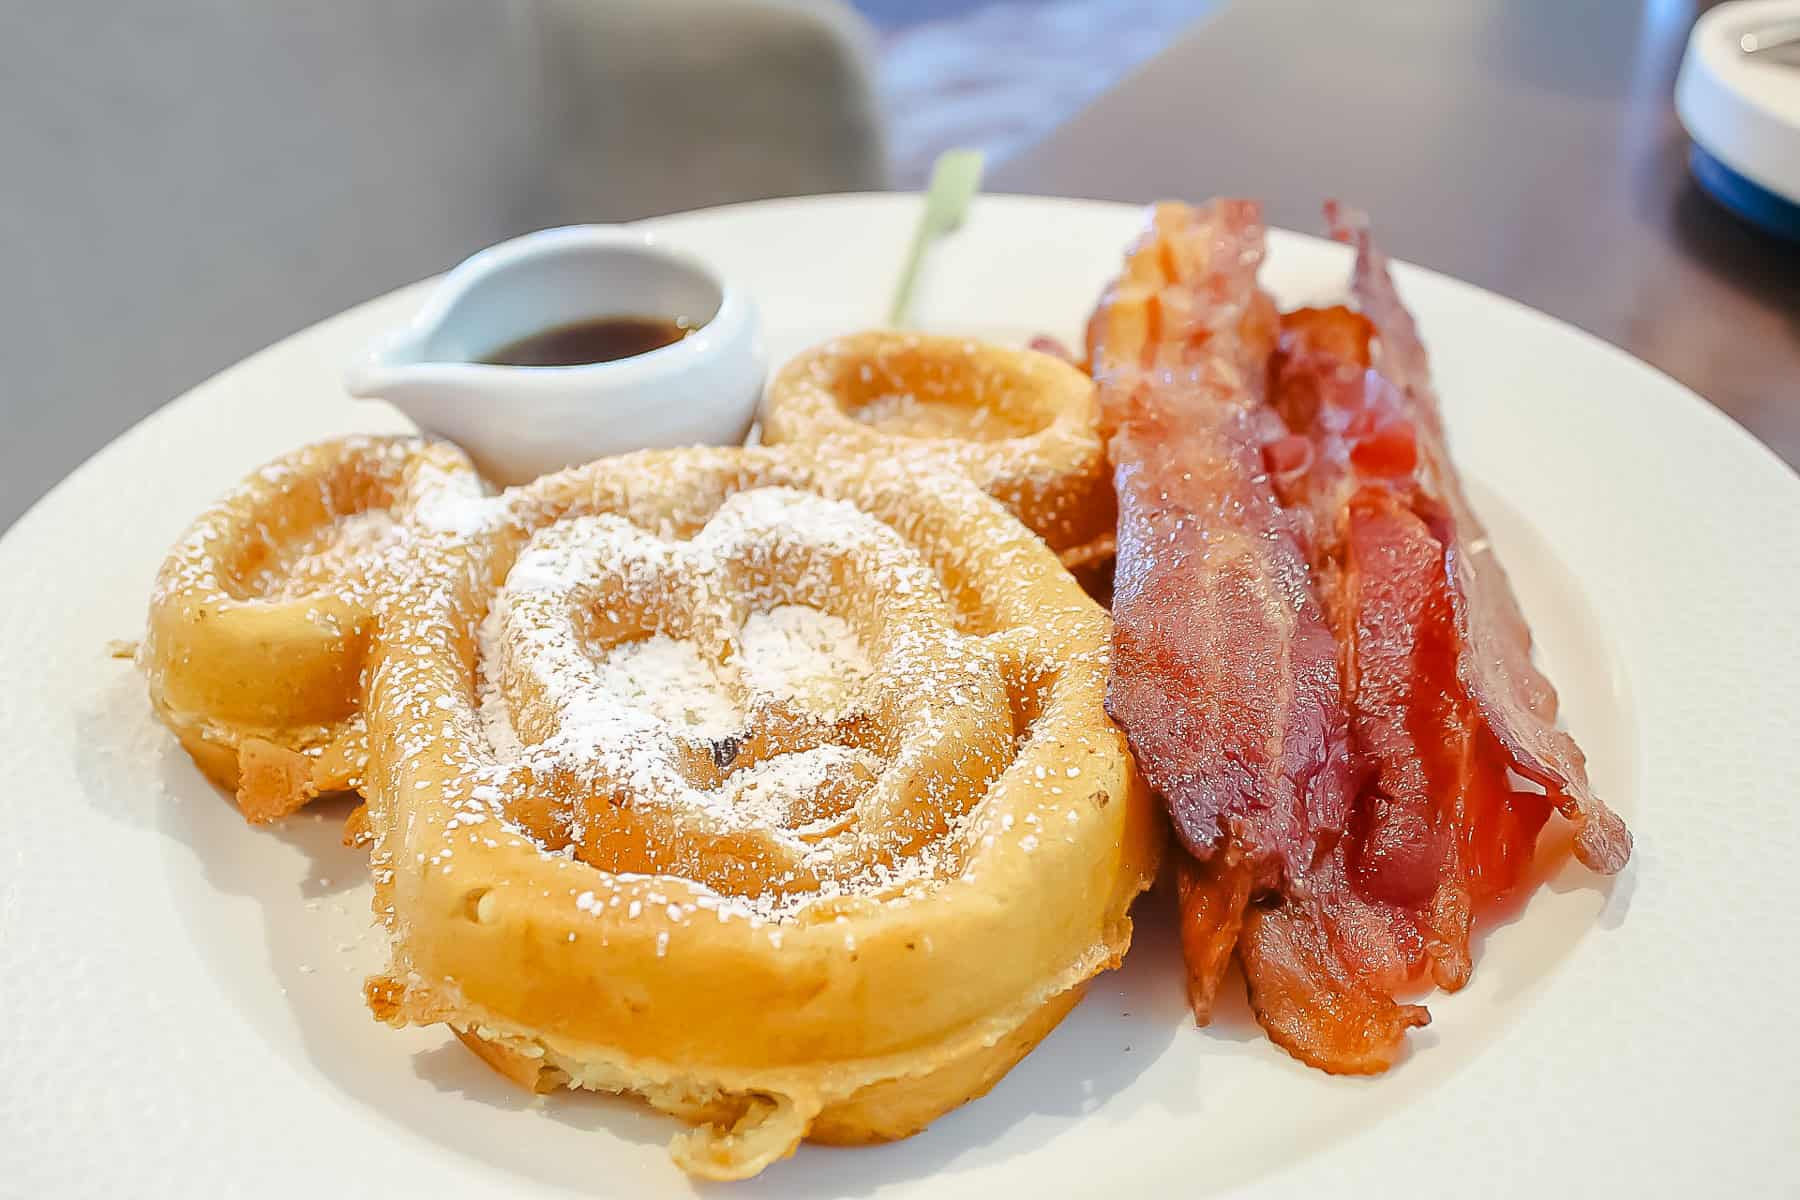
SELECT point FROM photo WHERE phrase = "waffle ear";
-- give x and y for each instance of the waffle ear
(260, 620)
(1024, 426)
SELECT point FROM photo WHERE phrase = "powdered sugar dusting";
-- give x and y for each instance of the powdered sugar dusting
(813, 656)
(668, 679)
(337, 556)
(708, 689)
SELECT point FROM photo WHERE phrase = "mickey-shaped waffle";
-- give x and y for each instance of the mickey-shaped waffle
(772, 786)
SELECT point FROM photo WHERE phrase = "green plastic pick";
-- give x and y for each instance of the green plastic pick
(955, 178)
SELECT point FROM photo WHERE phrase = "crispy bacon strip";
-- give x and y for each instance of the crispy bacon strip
(1279, 510)
(1439, 832)
(1323, 965)
(1224, 674)
(1494, 661)
(1439, 794)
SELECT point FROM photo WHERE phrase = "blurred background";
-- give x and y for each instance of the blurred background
(190, 180)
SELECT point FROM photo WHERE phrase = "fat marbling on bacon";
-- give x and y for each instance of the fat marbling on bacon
(1319, 462)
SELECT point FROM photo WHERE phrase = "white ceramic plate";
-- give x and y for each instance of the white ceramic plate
(179, 994)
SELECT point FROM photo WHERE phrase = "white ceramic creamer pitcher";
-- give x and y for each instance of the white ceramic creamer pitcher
(519, 422)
